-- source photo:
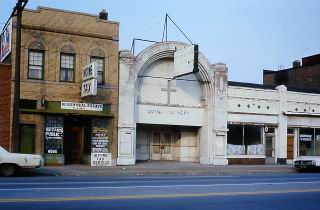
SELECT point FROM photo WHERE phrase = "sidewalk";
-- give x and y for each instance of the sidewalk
(158, 168)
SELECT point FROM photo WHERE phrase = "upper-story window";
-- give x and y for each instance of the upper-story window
(36, 53)
(67, 63)
(100, 62)
(99, 56)
(35, 64)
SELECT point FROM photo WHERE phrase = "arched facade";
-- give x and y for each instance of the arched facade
(166, 118)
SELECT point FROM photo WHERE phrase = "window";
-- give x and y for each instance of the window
(309, 141)
(67, 67)
(35, 68)
(245, 140)
(100, 62)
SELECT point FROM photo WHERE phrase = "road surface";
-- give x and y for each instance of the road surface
(280, 191)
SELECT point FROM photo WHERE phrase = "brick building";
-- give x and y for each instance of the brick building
(54, 119)
(5, 93)
(305, 76)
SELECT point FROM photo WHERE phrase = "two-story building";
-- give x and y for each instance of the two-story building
(54, 119)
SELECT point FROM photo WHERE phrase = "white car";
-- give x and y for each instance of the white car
(303, 162)
(11, 162)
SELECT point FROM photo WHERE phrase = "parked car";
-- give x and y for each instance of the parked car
(11, 162)
(306, 162)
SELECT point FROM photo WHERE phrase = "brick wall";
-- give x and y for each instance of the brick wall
(304, 77)
(5, 92)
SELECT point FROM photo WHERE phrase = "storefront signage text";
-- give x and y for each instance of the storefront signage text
(166, 115)
(89, 80)
(82, 106)
(305, 137)
(100, 159)
(99, 140)
(53, 135)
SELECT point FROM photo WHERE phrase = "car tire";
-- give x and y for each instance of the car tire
(8, 169)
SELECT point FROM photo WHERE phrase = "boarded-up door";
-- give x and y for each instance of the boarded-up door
(27, 139)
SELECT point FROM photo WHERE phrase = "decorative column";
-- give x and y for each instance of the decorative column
(218, 153)
(281, 140)
(126, 125)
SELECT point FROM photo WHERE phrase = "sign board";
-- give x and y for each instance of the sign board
(317, 137)
(53, 135)
(90, 71)
(6, 39)
(82, 106)
(164, 115)
(186, 60)
(89, 88)
(305, 137)
(99, 140)
(100, 159)
(89, 79)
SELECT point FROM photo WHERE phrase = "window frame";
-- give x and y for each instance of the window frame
(42, 71)
(74, 62)
(103, 68)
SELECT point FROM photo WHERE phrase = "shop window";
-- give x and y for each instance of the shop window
(100, 62)
(306, 141)
(35, 64)
(67, 62)
(245, 140)
(317, 142)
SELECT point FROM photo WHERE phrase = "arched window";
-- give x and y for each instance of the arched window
(67, 63)
(36, 61)
(98, 56)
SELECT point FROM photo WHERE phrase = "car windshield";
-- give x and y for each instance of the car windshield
(2, 150)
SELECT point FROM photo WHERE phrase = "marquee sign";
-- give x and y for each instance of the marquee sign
(6, 39)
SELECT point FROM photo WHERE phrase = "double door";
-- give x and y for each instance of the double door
(161, 145)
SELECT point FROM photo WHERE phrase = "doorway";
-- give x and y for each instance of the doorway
(161, 145)
(27, 139)
(72, 145)
(270, 149)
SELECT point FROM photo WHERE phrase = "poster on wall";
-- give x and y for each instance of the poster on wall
(6, 38)
(53, 135)
(100, 155)
(100, 159)
(99, 140)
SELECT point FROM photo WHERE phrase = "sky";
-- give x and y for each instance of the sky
(247, 35)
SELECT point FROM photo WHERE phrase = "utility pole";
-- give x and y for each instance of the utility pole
(16, 103)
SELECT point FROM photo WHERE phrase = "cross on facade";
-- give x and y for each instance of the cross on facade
(169, 91)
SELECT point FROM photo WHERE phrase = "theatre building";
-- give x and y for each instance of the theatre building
(167, 111)
(67, 113)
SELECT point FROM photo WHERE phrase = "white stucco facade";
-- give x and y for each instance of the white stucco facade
(187, 118)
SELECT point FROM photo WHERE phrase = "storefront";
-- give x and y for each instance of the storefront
(73, 133)
(309, 142)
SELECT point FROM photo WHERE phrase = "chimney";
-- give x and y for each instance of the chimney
(296, 64)
(103, 15)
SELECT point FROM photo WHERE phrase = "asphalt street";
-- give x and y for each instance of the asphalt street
(278, 191)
